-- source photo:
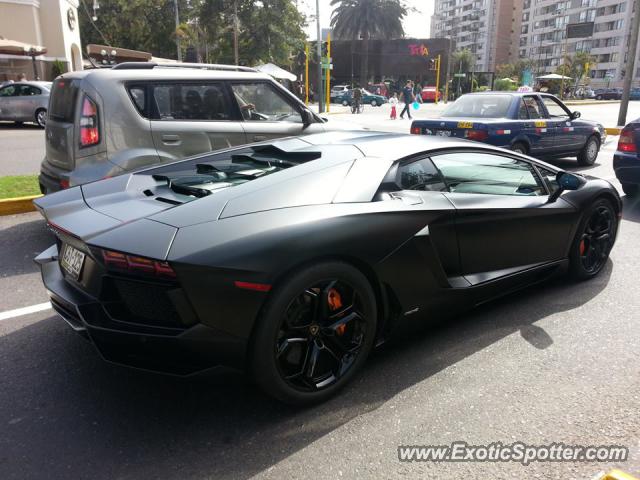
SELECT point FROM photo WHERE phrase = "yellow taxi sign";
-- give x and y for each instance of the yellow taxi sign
(540, 124)
(465, 124)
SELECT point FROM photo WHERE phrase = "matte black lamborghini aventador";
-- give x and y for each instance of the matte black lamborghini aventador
(292, 259)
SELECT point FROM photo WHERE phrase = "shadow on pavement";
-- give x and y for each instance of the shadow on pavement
(15, 126)
(21, 243)
(631, 208)
(65, 413)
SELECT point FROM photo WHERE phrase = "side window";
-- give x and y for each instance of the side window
(550, 178)
(7, 91)
(420, 175)
(138, 96)
(190, 102)
(534, 107)
(261, 102)
(554, 108)
(522, 111)
(489, 174)
(28, 90)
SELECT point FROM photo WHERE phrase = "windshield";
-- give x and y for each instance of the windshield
(479, 106)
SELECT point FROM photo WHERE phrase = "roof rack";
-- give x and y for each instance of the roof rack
(197, 66)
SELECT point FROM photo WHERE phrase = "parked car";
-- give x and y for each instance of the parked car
(585, 93)
(107, 122)
(337, 90)
(25, 102)
(536, 124)
(626, 159)
(634, 94)
(368, 98)
(608, 94)
(430, 94)
(292, 259)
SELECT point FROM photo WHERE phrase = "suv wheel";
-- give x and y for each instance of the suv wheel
(41, 117)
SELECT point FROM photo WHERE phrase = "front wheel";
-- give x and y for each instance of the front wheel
(315, 333)
(519, 147)
(630, 189)
(374, 103)
(594, 239)
(598, 97)
(345, 103)
(589, 153)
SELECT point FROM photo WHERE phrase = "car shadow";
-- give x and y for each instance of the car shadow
(15, 126)
(21, 243)
(66, 412)
(631, 208)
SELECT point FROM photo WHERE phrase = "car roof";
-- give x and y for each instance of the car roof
(162, 73)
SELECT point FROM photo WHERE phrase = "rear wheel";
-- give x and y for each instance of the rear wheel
(316, 332)
(41, 117)
(630, 189)
(345, 103)
(589, 153)
(374, 103)
(594, 240)
(519, 147)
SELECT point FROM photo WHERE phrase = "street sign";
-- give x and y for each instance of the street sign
(460, 75)
(579, 30)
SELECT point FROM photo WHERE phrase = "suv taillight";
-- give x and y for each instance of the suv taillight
(89, 130)
(627, 141)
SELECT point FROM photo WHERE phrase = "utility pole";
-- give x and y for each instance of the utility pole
(630, 67)
(236, 56)
(446, 86)
(175, 4)
(319, 59)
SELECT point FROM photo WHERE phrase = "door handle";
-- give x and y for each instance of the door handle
(171, 139)
(259, 138)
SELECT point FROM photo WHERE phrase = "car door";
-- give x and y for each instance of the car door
(266, 112)
(569, 135)
(540, 130)
(7, 102)
(504, 219)
(26, 102)
(188, 118)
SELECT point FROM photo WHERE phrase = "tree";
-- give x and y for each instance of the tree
(515, 70)
(366, 20)
(575, 66)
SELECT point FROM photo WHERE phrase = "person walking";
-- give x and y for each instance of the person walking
(407, 98)
(393, 101)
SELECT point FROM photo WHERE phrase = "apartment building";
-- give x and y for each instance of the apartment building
(543, 35)
(488, 28)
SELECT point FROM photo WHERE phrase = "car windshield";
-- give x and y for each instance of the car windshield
(479, 106)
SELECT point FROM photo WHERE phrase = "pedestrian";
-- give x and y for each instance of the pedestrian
(22, 77)
(393, 101)
(407, 98)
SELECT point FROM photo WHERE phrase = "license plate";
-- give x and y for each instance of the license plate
(443, 133)
(71, 261)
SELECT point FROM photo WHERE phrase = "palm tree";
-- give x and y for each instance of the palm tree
(367, 19)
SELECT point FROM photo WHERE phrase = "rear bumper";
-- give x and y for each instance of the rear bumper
(627, 167)
(52, 178)
(174, 351)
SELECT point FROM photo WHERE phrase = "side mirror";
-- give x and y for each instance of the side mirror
(307, 117)
(566, 181)
(575, 115)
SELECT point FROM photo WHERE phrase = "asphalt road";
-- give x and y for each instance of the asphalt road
(21, 148)
(555, 363)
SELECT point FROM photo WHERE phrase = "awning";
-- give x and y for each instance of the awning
(276, 72)
(13, 47)
(553, 76)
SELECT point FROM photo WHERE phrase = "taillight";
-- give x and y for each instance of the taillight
(627, 142)
(416, 130)
(477, 135)
(135, 264)
(64, 184)
(89, 130)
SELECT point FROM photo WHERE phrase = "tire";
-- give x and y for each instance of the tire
(598, 97)
(630, 189)
(283, 368)
(520, 147)
(41, 117)
(589, 153)
(590, 244)
(374, 103)
(345, 103)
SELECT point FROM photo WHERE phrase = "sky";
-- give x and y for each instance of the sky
(416, 23)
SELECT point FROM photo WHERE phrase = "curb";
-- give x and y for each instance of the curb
(12, 206)
(590, 102)
(617, 475)
(613, 130)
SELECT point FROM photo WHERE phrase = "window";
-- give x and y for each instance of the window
(8, 91)
(28, 90)
(522, 110)
(185, 101)
(554, 108)
(550, 178)
(533, 107)
(489, 174)
(420, 175)
(482, 106)
(260, 102)
(137, 95)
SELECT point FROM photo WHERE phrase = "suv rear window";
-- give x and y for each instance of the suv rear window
(63, 100)
(189, 101)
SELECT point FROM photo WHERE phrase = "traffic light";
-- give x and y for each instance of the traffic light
(431, 63)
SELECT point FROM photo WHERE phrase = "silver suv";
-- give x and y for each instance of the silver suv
(105, 122)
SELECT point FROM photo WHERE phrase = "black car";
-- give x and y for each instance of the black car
(608, 94)
(626, 160)
(293, 259)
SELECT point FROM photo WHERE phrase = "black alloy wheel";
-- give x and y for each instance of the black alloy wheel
(594, 240)
(317, 331)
